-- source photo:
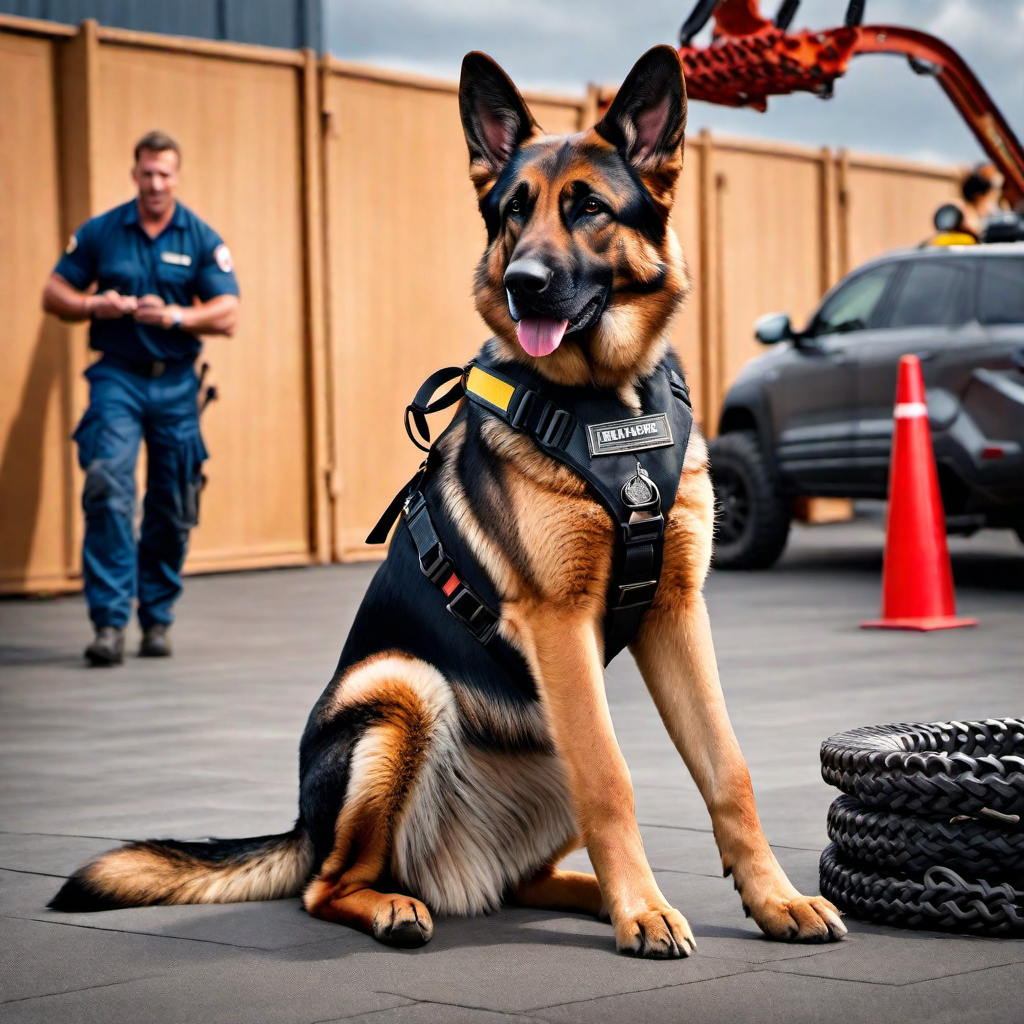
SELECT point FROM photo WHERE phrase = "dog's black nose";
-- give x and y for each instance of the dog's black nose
(527, 276)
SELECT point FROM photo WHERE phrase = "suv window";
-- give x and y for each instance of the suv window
(851, 308)
(932, 294)
(1002, 291)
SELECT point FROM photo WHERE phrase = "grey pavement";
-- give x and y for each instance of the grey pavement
(205, 744)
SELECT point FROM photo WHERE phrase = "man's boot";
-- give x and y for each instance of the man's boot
(156, 641)
(108, 647)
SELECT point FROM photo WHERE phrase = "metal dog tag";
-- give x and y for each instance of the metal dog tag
(640, 492)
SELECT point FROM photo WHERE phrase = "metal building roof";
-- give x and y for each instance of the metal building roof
(288, 23)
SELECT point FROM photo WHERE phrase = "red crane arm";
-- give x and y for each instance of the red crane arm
(966, 93)
(751, 59)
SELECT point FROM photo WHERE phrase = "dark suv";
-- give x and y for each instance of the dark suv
(813, 416)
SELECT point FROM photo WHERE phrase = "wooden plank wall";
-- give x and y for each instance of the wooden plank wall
(34, 417)
(238, 121)
(343, 193)
(888, 202)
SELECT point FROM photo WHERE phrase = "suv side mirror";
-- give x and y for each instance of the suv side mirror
(773, 328)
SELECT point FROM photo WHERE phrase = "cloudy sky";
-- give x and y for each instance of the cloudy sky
(561, 45)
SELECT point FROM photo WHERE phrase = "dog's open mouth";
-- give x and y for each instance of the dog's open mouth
(541, 335)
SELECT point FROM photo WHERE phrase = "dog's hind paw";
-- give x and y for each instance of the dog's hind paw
(800, 919)
(403, 921)
(658, 934)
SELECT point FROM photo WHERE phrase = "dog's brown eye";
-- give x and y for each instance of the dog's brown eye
(515, 206)
(591, 206)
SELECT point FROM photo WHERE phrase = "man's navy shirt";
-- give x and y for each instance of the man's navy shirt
(186, 260)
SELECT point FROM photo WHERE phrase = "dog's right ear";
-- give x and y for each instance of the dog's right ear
(647, 119)
(495, 117)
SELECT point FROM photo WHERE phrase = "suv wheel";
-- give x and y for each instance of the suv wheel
(752, 515)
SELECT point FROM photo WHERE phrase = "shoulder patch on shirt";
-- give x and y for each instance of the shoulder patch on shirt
(72, 244)
(222, 257)
(179, 259)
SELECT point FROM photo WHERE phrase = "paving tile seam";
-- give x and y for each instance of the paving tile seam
(151, 935)
(527, 1014)
(947, 973)
(958, 974)
(25, 871)
(753, 969)
(369, 1014)
(854, 981)
(813, 949)
(675, 828)
(67, 835)
(683, 871)
(73, 991)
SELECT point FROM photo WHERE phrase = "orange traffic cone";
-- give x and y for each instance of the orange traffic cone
(917, 581)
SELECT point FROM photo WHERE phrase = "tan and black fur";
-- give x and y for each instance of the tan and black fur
(428, 782)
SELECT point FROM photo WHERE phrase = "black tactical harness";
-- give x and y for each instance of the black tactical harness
(631, 462)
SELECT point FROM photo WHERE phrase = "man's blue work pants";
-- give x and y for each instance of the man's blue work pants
(125, 407)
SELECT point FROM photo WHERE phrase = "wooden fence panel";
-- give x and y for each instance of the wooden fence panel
(771, 250)
(890, 203)
(404, 236)
(34, 426)
(239, 126)
(686, 220)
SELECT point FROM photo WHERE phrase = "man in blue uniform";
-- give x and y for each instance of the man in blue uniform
(162, 278)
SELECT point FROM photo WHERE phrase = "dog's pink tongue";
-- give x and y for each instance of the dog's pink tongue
(540, 336)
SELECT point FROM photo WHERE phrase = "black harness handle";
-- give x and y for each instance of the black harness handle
(421, 406)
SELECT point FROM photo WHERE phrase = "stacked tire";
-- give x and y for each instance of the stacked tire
(930, 831)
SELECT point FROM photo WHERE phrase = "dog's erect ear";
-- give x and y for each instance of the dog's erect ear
(494, 116)
(648, 115)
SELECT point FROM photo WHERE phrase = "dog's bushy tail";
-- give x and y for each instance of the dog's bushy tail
(165, 871)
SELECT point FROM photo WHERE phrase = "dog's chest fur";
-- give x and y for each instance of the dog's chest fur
(554, 539)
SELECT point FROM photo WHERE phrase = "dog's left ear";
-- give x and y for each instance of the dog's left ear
(648, 115)
(495, 117)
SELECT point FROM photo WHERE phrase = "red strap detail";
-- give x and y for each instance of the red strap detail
(452, 583)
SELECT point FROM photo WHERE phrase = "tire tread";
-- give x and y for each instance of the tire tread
(765, 539)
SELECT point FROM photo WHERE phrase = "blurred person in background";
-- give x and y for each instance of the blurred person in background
(163, 278)
(981, 190)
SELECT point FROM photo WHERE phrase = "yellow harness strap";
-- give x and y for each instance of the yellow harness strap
(493, 390)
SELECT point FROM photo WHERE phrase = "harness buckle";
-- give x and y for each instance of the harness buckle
(643, 528)
(473, 613)
(434, 563)
(518, 419)
(557, 430)
(633, 595)
(679, 387)
(535, 415)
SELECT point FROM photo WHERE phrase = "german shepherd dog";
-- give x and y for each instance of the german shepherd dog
(460, 797)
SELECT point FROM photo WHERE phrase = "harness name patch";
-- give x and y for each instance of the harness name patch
(632, 435)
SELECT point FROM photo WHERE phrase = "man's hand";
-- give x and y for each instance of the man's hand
(110, 305)
(153, 310)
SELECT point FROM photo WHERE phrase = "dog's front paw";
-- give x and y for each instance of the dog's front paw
(799, 919)
(660, 934)
(403, 921)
